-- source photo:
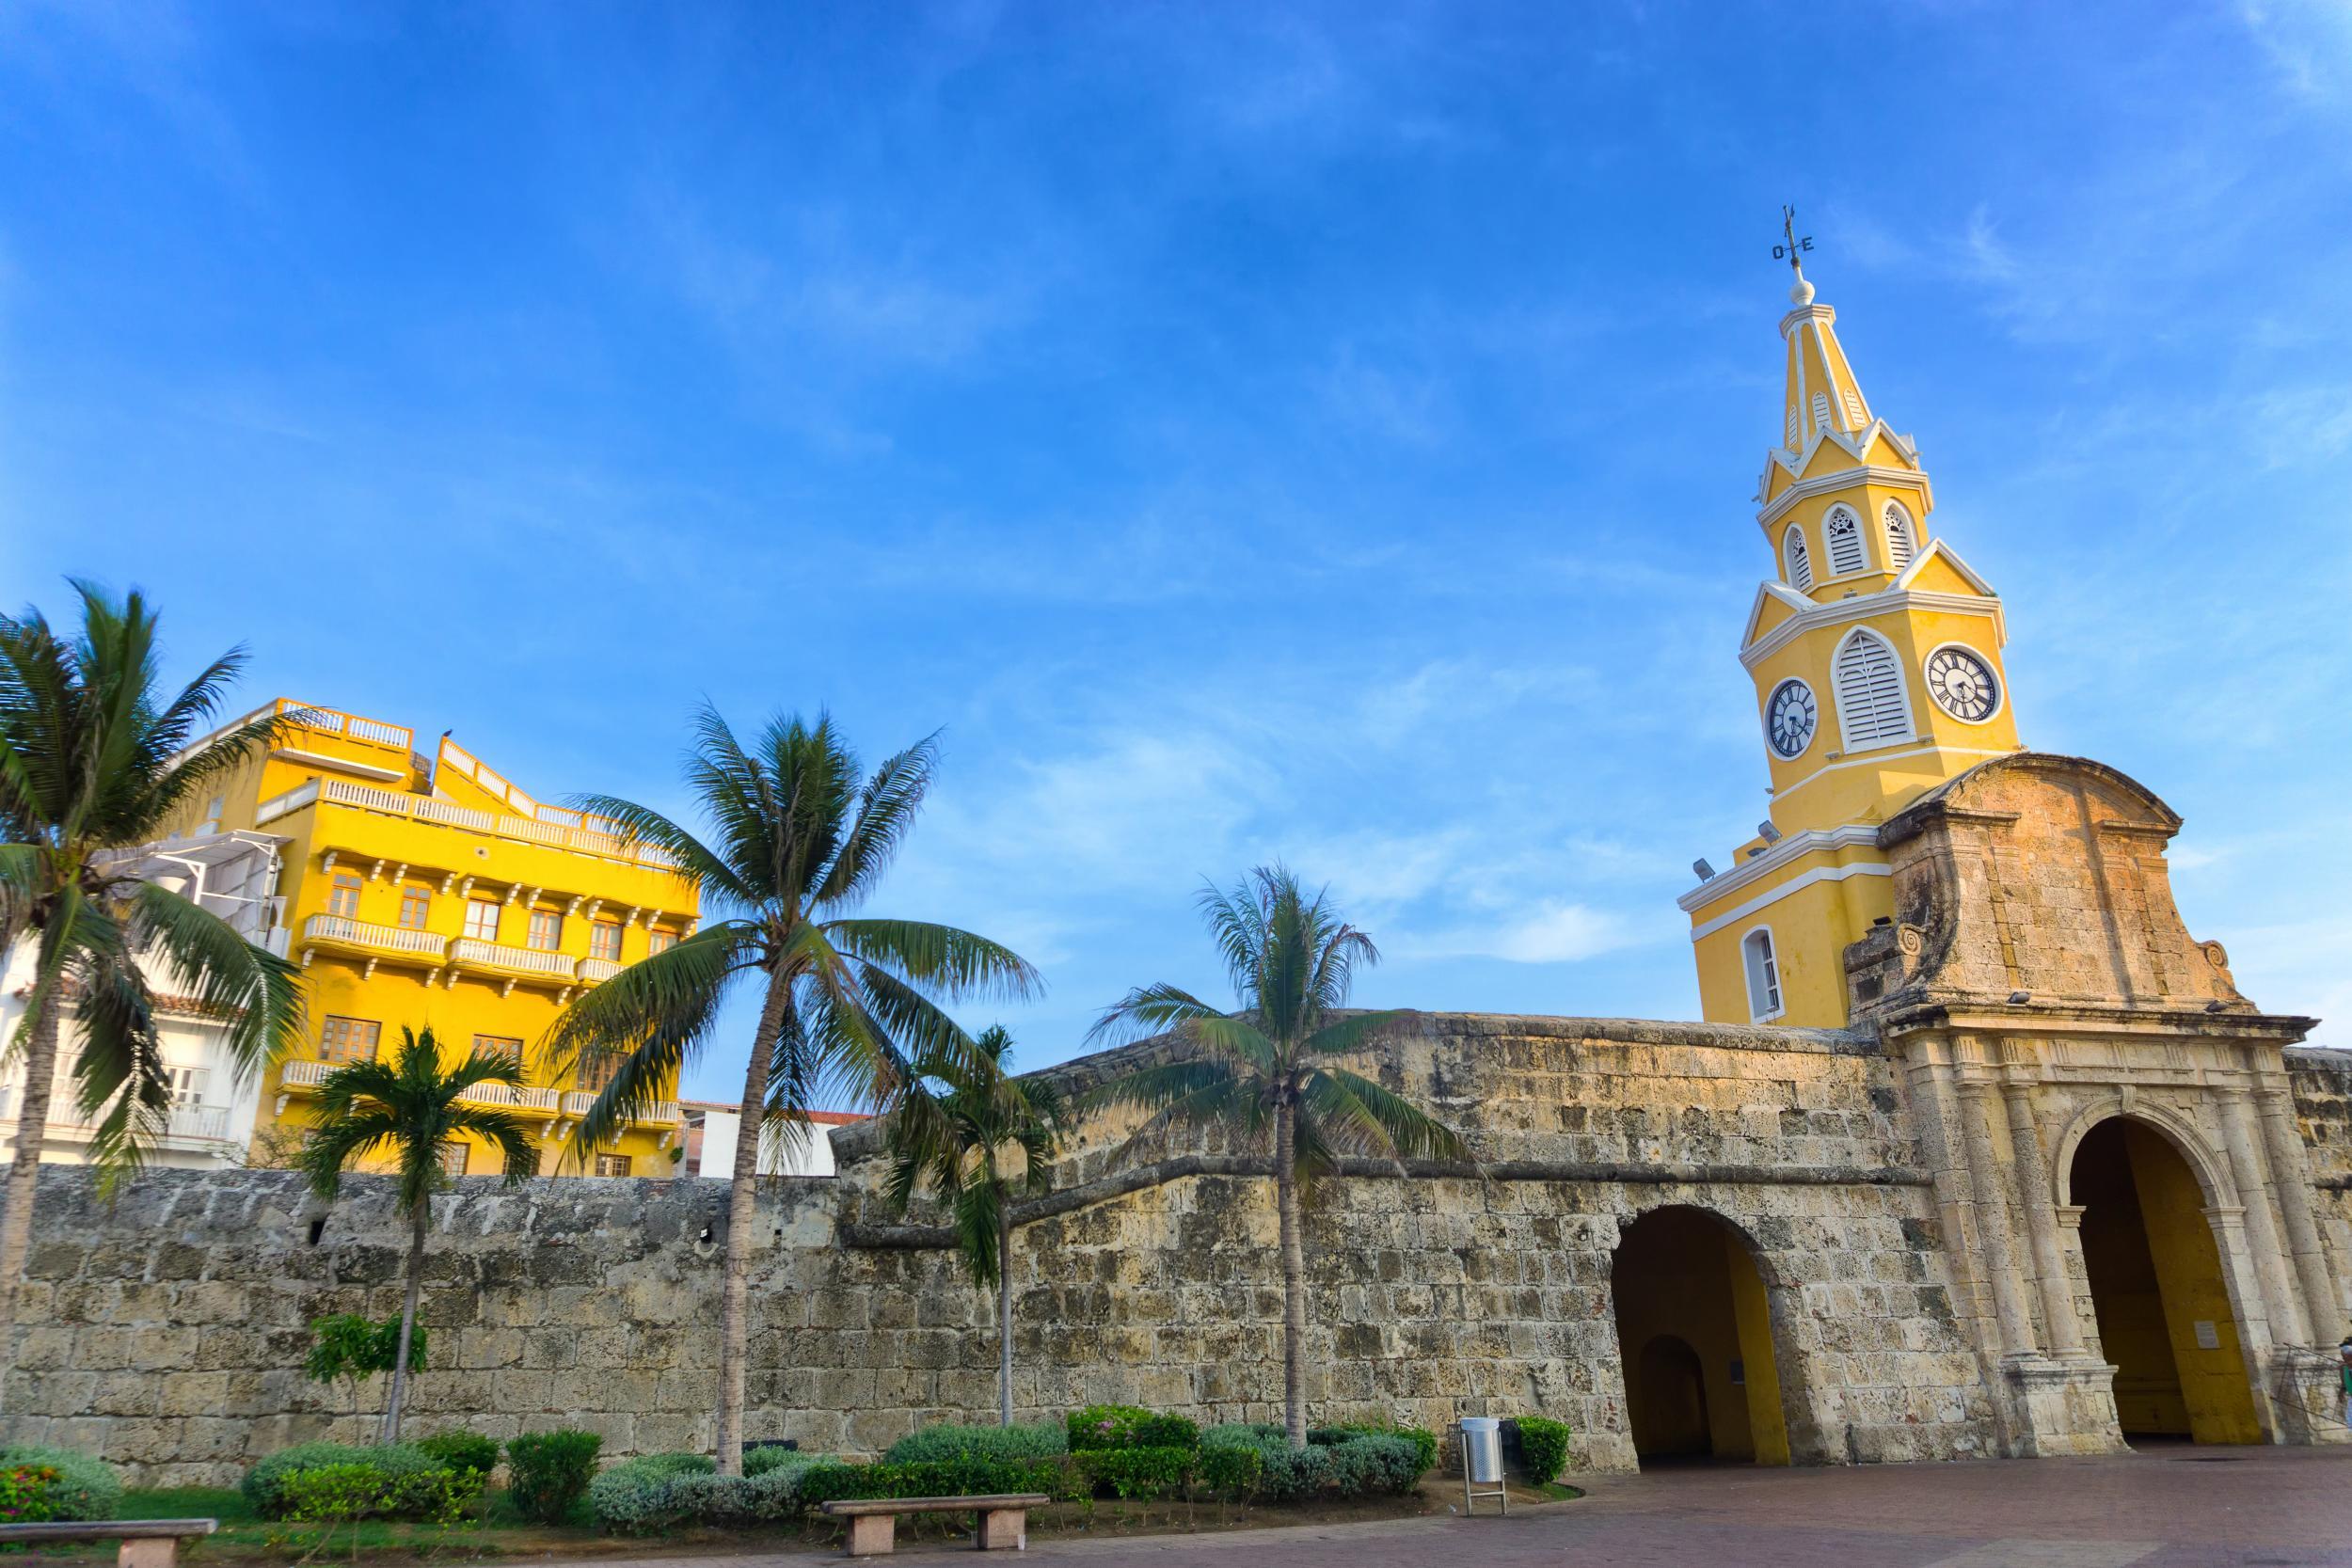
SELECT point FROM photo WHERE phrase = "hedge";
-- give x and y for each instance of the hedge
(1144, 1473)
(1344, 1462)
(1128, 1426)
(1543, 1447)
(961, 1477)
(934, 1443)
(547, 1472)
(82, 1487)
(465, 1452)
(263, 1485)
(633, 1497)
(338, 1494)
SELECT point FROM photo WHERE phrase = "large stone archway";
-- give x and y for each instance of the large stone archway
(1695, 1346)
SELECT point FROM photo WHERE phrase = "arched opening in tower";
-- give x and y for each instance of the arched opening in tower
(2164, 1312)
(1694, 1342)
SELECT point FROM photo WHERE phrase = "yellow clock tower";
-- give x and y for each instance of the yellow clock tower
(1876, 653)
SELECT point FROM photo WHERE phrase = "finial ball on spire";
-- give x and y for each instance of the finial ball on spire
(1793, 251)
(1802, 293)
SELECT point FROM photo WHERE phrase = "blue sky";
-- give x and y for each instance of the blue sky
(1249, 431)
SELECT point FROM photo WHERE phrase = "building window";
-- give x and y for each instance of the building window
(604, 941)
(596, 1071)
(659, 941)
(416, 903)
(1871, 707)
(187, 1085)
(1821, 411)
(1800, 558)
(1901, 545)
(612, 1165)
(546, 930)
(453, 1157)
(1843, 532)
(482, 919)
(499, 1045)
(344, 897)
(348, 1039)
(1763, 973)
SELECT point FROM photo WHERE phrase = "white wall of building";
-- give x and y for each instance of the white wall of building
(785, 1149)
(235, 876)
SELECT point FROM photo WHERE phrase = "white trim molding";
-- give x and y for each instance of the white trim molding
(1881, 757)
(1854, 835)
(1862, 606)
(1951, 557)
(1794, 884)
(1844, 479)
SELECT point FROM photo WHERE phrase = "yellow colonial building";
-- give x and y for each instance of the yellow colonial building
(430, 892)
(1876, 654)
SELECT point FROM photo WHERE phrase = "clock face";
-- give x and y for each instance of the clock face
(1790, 718)
(1963, 685)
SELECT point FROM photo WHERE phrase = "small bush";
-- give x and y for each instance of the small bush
(761, 1461)
(342, 1494)
(460, 1451)
(84, 1488)
(1424, 1440)
(25, 1494)
(1374, 1463)
(1143, 1473)
(549, 1471)
(1340, 1460)
(934, 1443)
(831, 1481)
(1542, 1448)
(264, 1483)
(633, 1497)
(1288, 1475)
(1231, 1472)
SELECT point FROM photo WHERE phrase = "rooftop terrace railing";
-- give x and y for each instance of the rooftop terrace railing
(425, 808)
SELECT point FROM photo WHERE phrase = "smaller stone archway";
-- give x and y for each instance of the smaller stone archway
(2167, 1319)
(1694, 1341)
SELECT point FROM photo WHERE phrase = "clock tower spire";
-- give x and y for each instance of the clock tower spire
(1875, 654)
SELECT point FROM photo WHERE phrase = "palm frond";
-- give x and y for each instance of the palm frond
(886, 809)
(253, 990)
(646, 1022)
(1149, 1010)
(1351, 1111)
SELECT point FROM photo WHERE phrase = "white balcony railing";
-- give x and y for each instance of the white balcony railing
(306, 1075)
(366, 934)
(519, 1096)
(327, 719)
(498, 955)
(425, 808)
(598, 969)
(662, 1110)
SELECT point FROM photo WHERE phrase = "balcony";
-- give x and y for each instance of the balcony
(552, 826)
(190, 1123)
(593, 970)
(661, 1113)
(338, 930)
(299, 1076)
(526, 961)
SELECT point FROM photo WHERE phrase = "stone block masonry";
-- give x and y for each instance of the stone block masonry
(168, 1331)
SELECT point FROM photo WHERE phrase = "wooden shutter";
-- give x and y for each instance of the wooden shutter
(1870, 707)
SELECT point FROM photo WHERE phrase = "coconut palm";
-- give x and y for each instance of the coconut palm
(1269, 1076)
(992, 1138)
(410, 1113)
(800, 839)
(96, 756)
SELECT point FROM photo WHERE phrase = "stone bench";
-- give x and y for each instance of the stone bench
(1004, 1519)
(146, 1543)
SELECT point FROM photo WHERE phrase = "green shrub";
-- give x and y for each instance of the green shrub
(932, 1444)
(1231, 1472)
(1424, 1440)
(772, 1456)
(549, 1471)
(84, 1487)
(1143, 1473)
(1343, 1461)
(1243, 1435)
(1543, 1447)
(342, 1494)
(832, 1481)
(1376, 1462)
(633, 1497)
(264, 1483)
(1287, 1475)
(460, 1451)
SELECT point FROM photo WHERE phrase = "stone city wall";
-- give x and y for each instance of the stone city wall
(166, 1332)
(2323, 1108)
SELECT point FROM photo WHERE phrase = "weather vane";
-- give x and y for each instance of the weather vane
(1793, 251)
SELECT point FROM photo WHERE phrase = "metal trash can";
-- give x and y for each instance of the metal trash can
(1482, 1449)
(1482, 1461)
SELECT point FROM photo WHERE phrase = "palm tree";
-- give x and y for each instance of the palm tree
(1270, 1074)
(799, 841)
(94, 759)
(992, 1137)
(410, 1112)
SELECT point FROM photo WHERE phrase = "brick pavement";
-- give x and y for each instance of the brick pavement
(2170, 1508)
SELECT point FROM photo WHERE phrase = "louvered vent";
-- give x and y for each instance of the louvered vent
(1870, 709)
(1855, 418)
(1821, 410)
(1899, 546)
(1799, 561)
(1844, 533)
(1792, 429)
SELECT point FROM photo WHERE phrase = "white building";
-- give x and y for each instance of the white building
(785, 1149)
(236, 876)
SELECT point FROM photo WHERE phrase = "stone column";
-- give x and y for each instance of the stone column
(2288, 1173)
(1992, 1234)
(2280, 1305)
(2061, 1320)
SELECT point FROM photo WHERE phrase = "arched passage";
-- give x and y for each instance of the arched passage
(1694, 1341)
(2165, 1317)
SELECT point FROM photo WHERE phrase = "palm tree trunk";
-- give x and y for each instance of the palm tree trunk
(1294, 1276)
(1004, 1311)
(742, 1195)
(408, 1319)
(32, 1127)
